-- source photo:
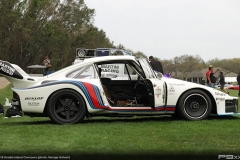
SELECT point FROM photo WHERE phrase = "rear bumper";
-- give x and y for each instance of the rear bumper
(16, 103)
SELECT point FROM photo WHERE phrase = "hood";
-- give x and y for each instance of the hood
(174, 81)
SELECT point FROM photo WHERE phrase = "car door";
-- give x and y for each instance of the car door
(155, 86)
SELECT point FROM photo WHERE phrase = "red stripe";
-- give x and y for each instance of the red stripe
(170, 109)
(93, 95)
(127, 109)
(160, 109)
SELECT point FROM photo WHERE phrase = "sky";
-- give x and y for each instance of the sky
(170, 28)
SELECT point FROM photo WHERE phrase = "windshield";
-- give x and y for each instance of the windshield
(147, 69)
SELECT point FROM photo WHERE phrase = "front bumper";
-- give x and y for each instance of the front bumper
(231, 106)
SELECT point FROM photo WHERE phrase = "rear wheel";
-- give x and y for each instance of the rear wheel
(66, 107)
(194, 105)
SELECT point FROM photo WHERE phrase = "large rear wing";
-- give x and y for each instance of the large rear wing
(11, 70)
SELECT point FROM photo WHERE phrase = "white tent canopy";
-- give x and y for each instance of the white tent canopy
(40, 74)
(230, 79)
(37, 66)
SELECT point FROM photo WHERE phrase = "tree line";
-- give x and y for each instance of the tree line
(32, 29)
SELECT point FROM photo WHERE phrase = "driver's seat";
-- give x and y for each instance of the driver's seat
(107, 83)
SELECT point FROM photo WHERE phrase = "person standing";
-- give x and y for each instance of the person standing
(210, 75)
(156, 65)
(47, 64)
(222, 82)
(238, 80)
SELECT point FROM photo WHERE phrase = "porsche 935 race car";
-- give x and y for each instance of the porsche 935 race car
(85, 89)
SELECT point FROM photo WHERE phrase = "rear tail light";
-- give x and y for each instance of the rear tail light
(15, 95)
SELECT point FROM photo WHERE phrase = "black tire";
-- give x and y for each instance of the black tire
(194, 105)
(66, 107)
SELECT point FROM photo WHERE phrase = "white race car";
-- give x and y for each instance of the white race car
(78, 91)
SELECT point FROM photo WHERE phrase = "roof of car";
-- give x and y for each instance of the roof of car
(93, 60)
(108, 58)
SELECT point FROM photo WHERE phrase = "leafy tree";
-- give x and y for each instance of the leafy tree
(232, 65)
(184, 64)
(139, 54)
(32, 29)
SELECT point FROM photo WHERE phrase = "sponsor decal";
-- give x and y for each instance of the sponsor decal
(6, 68)
(33, 103)
(33, 98)
(220, 94)
(110, 68)
(220, 99)
(171, 89)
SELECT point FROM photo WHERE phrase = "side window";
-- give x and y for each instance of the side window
(118, 71)
(115, 71)
(86, 72)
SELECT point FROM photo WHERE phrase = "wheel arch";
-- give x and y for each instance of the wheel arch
(45, 107)
(214, 106)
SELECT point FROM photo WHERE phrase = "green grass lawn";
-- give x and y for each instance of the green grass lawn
(120, 138)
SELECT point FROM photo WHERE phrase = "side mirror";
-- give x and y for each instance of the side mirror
(159, 74)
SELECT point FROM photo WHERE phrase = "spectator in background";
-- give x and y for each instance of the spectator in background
(222, 82)
(238, 80)
(46, 62)
(156, 65)
(210, 75)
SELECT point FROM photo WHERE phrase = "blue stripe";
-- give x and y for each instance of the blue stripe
(98, 95)
(85, 91)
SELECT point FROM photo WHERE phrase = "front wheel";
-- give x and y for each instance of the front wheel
(66, 107)
(195, 105)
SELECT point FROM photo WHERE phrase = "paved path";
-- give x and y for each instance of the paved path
(3, 82)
